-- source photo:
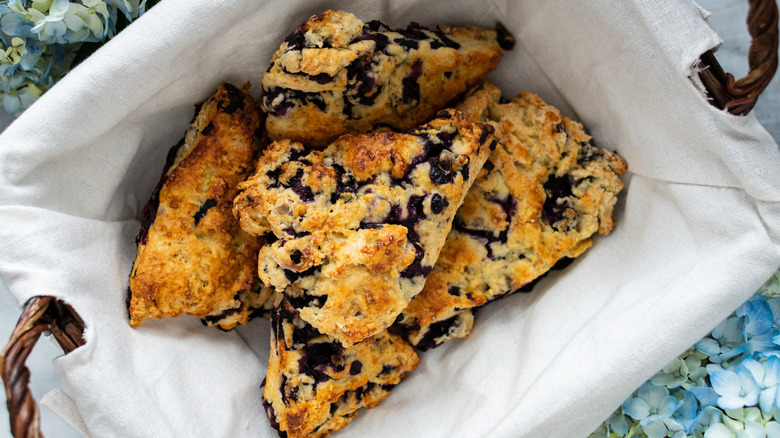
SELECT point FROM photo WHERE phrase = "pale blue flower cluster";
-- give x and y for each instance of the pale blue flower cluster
(726, 386)
(39, 40)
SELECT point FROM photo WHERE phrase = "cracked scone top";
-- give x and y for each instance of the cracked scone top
(314, 385)
(337, 75)
(544, 191)
(193, 258)
(360, 224)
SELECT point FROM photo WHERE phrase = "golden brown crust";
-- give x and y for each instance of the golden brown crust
(544, 192)
(361, 222)
(195, 259)
(315, 386)
(335, 75)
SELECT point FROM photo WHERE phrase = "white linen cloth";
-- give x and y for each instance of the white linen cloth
(697, 230)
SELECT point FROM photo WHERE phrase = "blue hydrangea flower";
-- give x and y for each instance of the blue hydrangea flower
(653, 403)
(52, 27)
(96, 17)
(727, 385)
(770, 429)
(759, 331)
(39, 40)
(668, 427)
(758, 316)
(13, 23)
(726, 340)
(767, 376)
(672, 375)
(736, 388)
(688, 413)
(708, 417)
(744, 423)
(617, 423)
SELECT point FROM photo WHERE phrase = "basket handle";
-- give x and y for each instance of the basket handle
(40, 314)
(739, 96)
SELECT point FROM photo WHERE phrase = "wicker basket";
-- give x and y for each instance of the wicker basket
(48, 314)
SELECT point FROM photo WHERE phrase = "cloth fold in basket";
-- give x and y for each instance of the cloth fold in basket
(697, 229)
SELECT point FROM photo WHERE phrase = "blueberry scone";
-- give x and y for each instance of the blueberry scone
(314, 385)
(360, 224)
(543, 193)
(193, 258)
(337, 75)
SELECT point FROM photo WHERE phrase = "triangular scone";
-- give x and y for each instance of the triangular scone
(361, 223)
(315, 386)
(544, 191)
(193, 258)
(336, 75)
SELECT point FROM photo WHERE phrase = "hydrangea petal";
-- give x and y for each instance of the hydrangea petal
(79, 35)
(705, 395)
(31, 56)
(772, 429)
(763, 343)
(655, 430)
(759, 316)
(617, 422)
(13, 25)
(668, 380)
(718, 431)
(710, 416)
(27, 98)
(667, 406)
(717, 332)
(709, 346)
(16, 5)
(636, 408)
(754, 429)
(731, 402)
(725, 383)
(59, 8)
(755, 369)
(36, 15)
(772, 371)
(687, 413)
(766, 399)
(95, 24)
(73, 22)
(749, 387)
(732, 353)
(652, 394)
(12, 104)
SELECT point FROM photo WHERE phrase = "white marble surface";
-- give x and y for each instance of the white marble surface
(727, 19)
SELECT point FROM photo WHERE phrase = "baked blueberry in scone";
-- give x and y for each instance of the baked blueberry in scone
(314, 385)
(193, 258)
(337, 75)
(541, 196)
(360, 224)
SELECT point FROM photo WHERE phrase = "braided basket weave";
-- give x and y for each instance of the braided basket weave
(48, 314)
